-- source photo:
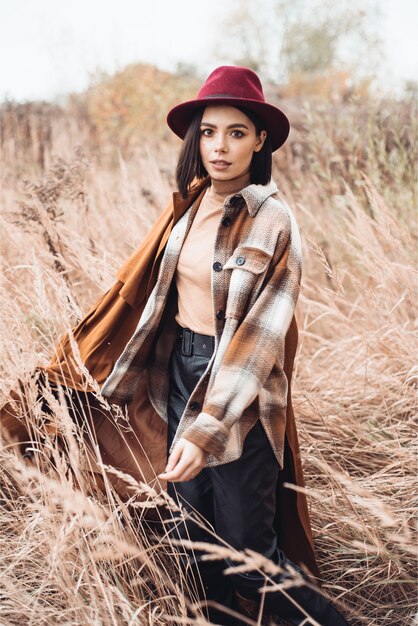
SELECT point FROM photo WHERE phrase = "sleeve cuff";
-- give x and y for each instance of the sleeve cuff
(208, 433)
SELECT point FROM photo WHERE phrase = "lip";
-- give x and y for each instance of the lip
(219, 164)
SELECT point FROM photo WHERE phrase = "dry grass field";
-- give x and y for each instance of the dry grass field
(75, 204)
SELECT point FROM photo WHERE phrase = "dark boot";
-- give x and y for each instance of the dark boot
(279, 606)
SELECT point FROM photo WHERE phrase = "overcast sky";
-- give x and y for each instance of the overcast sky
(49, 47)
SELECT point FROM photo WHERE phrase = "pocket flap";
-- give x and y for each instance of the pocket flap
(254, 260)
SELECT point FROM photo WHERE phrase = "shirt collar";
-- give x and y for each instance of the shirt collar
(256, 195)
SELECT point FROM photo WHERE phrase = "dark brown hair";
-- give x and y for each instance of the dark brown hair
(190, 165)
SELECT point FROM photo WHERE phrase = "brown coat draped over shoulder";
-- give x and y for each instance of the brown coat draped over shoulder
(101, 337)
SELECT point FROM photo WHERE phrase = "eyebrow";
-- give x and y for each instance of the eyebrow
(230, 126)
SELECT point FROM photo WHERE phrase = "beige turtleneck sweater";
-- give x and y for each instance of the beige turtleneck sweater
(194, 269)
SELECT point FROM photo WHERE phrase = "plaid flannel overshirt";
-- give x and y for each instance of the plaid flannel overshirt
(259, 249)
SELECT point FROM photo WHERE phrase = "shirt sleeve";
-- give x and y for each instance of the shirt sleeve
(255, 347)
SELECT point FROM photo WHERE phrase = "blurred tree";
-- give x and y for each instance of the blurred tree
(322, 34)
(279, 38)
(411, 89)
(244, 29)
(187, 70)
(133, 103)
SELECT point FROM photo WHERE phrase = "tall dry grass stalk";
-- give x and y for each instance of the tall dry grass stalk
(76, 554)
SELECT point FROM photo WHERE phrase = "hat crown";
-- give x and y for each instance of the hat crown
(234, 86)
(232, 81)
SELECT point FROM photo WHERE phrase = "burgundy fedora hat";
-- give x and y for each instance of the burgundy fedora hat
(233, 85)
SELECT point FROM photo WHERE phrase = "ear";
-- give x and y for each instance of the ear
(260, 140)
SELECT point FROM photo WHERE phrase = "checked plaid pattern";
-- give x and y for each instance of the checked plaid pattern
(257, 289)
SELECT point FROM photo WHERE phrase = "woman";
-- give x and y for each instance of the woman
(232, 263)
(200, 331)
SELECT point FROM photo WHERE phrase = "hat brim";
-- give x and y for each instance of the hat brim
(277, 123)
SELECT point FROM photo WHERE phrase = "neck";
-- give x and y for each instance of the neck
(222, 188)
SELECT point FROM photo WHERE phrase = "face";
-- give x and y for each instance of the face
(228, 140)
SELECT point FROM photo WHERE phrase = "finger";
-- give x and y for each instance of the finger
(176, 474)
(190, 472)
(189, 475)
(174, 456)
(172, 462)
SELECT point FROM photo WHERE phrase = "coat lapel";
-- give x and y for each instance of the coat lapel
(139, 272)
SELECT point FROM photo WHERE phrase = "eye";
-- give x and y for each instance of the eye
(206, 132)
(238, 133)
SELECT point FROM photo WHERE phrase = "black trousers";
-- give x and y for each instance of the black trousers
(238, 499)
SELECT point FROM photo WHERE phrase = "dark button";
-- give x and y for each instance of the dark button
(226, 221)
(234, 200)
(240, 260)
(194, 406)
(217, 266)
(220, 314)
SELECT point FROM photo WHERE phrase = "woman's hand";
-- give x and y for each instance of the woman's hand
(185, 461)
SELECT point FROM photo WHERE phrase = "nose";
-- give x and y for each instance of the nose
(220, 143)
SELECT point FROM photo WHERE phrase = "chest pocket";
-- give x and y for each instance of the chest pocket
(249, 266)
